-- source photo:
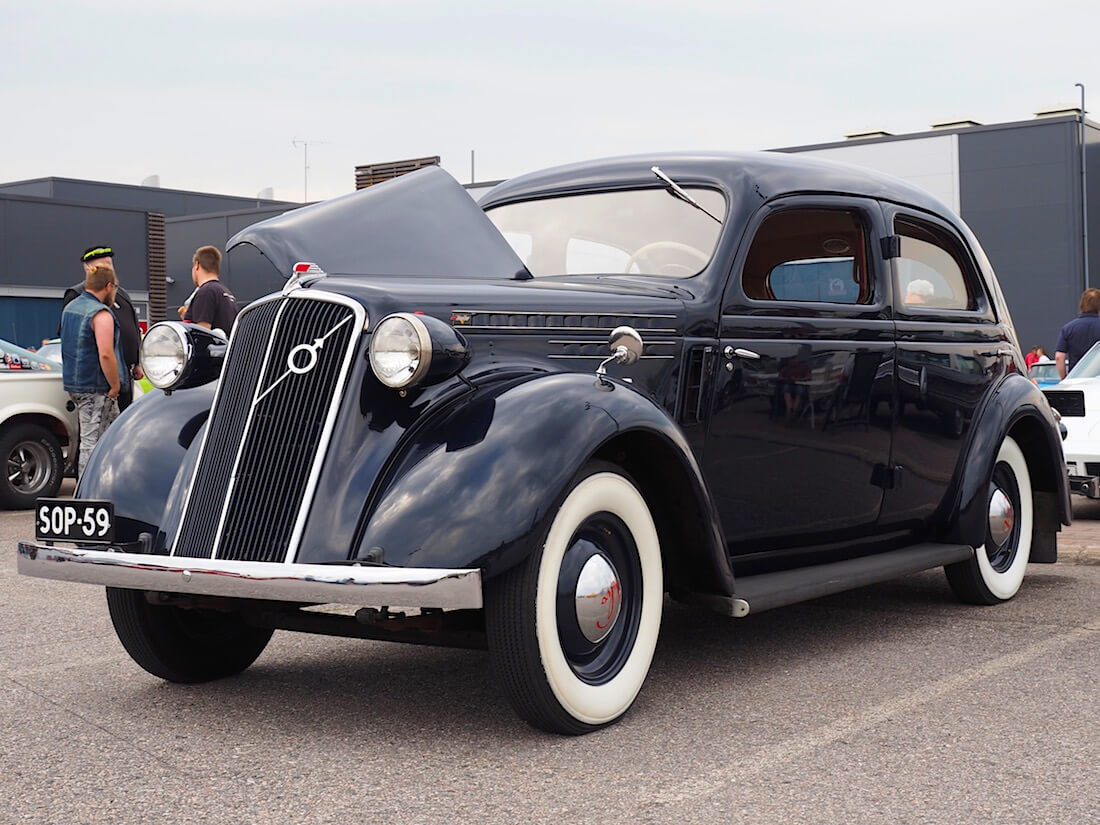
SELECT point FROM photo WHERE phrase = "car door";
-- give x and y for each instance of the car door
(951, 351)
(799, 433)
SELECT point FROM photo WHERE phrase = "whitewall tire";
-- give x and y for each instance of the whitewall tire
(572, 630)
(996, 571)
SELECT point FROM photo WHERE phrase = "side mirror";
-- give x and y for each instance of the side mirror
(626, 348)
(626, 345)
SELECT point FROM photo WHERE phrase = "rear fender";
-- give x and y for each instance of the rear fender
(1020, 410)
(478, 486)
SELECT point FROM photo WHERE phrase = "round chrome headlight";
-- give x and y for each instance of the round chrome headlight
(400, 350)
(165, 352)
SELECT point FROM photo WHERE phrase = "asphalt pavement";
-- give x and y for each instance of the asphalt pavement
(892, 703)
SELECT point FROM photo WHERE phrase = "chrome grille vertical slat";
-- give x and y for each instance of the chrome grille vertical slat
(276, 448)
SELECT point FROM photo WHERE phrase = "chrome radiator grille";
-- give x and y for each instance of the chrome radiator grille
(268, 429)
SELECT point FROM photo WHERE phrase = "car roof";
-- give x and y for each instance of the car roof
(750, 177)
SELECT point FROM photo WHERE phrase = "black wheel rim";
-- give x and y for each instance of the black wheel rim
(28, 467)
(606, 535)
(1002, 553)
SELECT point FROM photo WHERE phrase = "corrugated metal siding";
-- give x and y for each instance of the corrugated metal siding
(156, 266)
(377, 172)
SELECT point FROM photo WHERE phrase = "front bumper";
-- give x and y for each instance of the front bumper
(307, 583)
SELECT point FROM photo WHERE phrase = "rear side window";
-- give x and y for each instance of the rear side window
(931, 269)
(817, 255)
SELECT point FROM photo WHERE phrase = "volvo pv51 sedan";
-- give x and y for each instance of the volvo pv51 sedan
(741, 380)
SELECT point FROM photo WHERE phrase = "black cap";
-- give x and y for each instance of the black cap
(93, 252)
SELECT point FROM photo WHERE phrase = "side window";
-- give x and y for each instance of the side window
(809, 255)
(930, 271)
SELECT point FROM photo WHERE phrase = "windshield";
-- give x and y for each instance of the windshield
(51, 350)
(1088, 366)
(1045, 371)
(641, 231)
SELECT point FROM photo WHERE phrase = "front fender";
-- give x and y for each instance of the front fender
(136, 462)
(1019, 409)
(477, 487)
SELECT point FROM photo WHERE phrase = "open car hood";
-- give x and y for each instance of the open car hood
(422, 223)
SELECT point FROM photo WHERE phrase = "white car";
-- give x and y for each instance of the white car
(1077, 400)
(38, 427)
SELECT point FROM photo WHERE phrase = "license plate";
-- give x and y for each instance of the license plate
(79, 520)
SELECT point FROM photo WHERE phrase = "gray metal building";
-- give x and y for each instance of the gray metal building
(247, 274)
(45, 225)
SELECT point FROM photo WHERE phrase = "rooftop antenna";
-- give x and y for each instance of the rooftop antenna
(305, 144)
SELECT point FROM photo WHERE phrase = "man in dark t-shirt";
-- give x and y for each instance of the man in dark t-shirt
(213, 305)
(1078, 336)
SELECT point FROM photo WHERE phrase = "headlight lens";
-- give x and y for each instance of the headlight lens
(400, 350)
(164, 354)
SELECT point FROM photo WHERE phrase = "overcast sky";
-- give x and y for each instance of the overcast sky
(211, 95)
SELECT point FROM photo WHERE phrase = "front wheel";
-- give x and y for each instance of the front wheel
(996, 571)
(183, 645)
(573, 628)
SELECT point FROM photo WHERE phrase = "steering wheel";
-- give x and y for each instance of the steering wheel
(643, 258)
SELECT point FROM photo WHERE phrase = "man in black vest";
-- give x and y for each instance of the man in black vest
(129, 331)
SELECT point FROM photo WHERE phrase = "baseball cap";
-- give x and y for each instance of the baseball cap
(93, 252)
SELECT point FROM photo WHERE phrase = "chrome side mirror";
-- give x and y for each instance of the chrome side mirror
(626, 348)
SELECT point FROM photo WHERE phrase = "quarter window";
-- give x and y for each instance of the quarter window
(815, 255)
(930, 271)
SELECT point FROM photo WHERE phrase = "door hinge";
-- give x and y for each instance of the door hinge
(886, 477)
(891, 246)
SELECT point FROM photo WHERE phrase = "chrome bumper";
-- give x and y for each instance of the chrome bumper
(312, 583)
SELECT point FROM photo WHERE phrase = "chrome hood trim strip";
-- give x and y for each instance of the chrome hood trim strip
(311, 583)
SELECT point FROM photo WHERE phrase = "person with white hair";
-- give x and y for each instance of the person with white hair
(919, 291)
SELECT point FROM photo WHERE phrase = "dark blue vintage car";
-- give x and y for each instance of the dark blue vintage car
(742, 380)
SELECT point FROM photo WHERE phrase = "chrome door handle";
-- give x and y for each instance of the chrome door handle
(742, 353)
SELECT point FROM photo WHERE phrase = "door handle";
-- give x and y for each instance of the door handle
(741, 353)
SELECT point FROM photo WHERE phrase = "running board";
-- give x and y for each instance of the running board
(763, 592)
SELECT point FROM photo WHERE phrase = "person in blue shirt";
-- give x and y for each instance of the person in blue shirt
(1078, 336)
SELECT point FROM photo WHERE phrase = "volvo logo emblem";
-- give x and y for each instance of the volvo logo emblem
(301, 359)
(310, 351)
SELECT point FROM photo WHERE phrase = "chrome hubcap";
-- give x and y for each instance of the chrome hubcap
(1001, 516)
(598, 598)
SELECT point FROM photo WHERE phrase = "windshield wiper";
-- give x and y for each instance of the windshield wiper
(677, 191)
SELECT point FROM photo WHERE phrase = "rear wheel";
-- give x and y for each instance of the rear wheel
(572, 630)
(996, 571)
(32, 465)
(183, 645)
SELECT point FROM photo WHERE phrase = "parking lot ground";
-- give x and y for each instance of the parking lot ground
(1080, 542)
(891, 703)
